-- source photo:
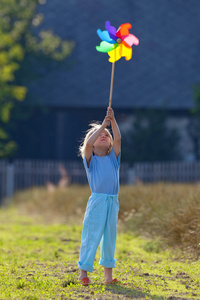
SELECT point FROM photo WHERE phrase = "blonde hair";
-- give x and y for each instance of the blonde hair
(89, 132)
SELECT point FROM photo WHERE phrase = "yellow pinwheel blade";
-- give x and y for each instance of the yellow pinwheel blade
(115, 54)
(126, 52)
(120, 51)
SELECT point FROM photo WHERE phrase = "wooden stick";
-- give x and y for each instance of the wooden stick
(111, 83)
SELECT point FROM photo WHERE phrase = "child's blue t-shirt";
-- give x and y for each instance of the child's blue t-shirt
(103, 173)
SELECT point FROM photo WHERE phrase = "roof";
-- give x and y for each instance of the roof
(164, 67)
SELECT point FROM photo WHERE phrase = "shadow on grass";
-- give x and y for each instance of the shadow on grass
(131, 293)
(114, 290)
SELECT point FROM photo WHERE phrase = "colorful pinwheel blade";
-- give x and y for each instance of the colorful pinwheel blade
(111, 30)
(120, 51)
(117, 43)
(105, 47)
(104, 36)
(130, 40)
(123, 30)
(126, 52)
(115, 54)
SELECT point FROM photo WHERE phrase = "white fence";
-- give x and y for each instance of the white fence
(167, 172)
(22, 174)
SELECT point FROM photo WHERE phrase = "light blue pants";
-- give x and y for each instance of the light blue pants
(99, 225)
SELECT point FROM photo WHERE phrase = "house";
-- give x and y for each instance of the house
(162, 72)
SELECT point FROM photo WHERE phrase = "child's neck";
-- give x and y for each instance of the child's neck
(100, 151)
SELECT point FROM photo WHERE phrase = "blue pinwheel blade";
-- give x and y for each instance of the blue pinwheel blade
(104, 36)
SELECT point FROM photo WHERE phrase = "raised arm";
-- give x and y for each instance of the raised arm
(116, 132)
(92, 139)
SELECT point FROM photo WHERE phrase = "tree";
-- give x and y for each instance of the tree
(194, 124)
(21, 49)
(149, 139)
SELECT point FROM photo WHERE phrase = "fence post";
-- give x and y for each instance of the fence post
(131, 175)
(9, 180)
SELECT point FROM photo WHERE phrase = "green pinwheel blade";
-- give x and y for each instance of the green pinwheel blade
(105, 47)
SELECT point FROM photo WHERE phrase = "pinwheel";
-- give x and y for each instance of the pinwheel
(117, 43)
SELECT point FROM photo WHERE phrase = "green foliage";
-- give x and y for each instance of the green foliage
(21, 52)
(149, 139)
(7, 148)
(70, 280)
(194, 124)
(21, 284)
(153, 246)
(196, 108)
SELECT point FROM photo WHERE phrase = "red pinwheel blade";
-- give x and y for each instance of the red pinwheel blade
(123, 30)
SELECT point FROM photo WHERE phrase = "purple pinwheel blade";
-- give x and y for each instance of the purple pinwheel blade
(111, 30)
(104, 36)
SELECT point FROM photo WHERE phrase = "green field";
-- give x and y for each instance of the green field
(39, 253)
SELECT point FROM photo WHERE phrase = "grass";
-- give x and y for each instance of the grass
(157, 246)
(39, 261)
(170, 212)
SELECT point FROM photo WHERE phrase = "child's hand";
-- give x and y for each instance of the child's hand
(106, 122)
(110, 113)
